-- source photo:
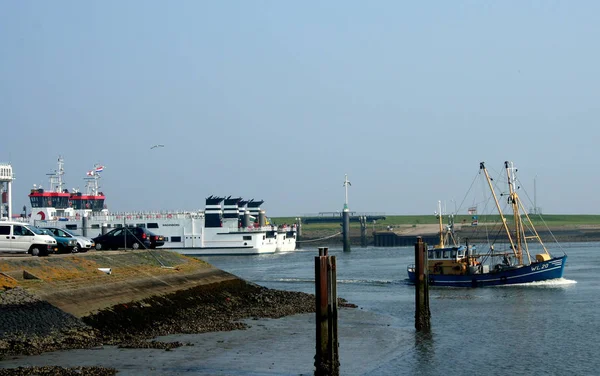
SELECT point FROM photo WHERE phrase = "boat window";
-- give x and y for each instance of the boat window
(175, 239)
(166, 238)
(446, 253)
(461, 253)
(247, 237)
(438, 254)
(118, 225)
(152, 225)
(453, 253)
(71, 227)
(430, 254)
(95, 226)
(142, 225)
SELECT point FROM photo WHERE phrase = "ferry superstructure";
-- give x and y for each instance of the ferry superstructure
(227, 225)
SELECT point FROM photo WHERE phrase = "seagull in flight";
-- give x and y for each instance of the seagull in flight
(157, 146)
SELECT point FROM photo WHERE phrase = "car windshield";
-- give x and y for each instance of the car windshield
(69, 232)
(39, 231)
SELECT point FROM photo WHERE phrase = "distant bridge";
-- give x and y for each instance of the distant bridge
(334, 217)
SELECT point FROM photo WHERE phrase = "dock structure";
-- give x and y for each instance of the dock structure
(392, 239)
(336, 217)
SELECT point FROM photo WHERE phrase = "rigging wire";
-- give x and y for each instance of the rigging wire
(539, 216)
(314, 240)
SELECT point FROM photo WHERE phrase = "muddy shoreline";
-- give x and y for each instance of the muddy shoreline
(34, 326)
(73, 306)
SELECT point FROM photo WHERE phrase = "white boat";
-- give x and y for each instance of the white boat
(227, 226)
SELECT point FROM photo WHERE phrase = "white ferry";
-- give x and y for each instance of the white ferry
(227, 226)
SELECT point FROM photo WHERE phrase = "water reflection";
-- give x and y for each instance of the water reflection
(424, 351)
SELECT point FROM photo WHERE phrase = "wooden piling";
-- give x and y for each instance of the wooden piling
(363, 231)
(422, 313)
(327, 356)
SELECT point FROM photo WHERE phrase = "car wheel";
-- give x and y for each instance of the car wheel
(37, 252)
(98, 246)
(75, 249)
(136, 245)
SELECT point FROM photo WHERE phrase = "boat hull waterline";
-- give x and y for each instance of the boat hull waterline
(536, 272)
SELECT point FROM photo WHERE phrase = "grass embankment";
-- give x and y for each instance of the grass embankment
(84, 268)
(551, 220)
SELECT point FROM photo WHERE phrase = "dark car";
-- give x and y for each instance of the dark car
(128, 237)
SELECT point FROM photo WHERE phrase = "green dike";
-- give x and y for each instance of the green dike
(392, 220)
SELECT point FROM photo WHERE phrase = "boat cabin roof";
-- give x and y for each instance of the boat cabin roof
(448, 253)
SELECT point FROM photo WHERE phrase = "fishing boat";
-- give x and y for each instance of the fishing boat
(465, 266)
(227, 225)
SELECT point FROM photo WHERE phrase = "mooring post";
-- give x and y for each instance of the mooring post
(363, 231)
(346, 228)
(326, 357)
(346, 219)
(422, 313)
(84, 225)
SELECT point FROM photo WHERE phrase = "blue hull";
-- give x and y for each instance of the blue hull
(540, 271)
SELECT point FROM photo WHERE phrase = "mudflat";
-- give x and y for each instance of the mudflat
(57, 303)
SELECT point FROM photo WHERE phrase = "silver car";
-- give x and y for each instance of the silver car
(83, 244)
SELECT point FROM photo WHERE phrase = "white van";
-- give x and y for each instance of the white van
(17, 237)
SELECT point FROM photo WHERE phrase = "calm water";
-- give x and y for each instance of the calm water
(547, 328)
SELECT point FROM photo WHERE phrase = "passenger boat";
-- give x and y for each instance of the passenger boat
(464, 266)
(227, 226)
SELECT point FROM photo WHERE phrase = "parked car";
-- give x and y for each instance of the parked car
(129, 237)
(17, 237)
(83, 244)
(64, 244)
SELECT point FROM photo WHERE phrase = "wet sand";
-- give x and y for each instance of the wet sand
(284, 346)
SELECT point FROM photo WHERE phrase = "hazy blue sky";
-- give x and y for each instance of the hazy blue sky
(277, 100)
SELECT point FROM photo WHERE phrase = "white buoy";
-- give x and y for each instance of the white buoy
(106, 270)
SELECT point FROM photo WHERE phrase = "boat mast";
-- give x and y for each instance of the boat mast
(441, 245)
(489, 181)
(56, 183)
(513, 200)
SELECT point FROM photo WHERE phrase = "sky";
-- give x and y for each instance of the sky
(278, 100)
